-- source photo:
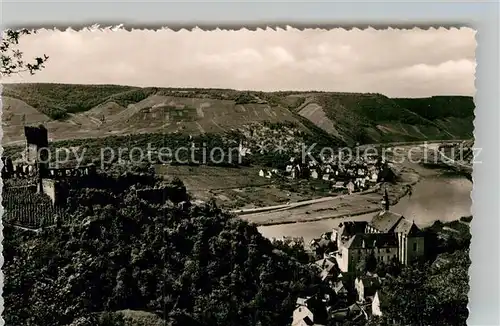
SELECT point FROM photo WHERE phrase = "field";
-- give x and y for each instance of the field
(78, 111)
(79, 114)
(26, 207)
(240, 187)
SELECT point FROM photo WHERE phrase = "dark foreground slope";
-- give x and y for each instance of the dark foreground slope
(122, 261)
(189, 265)
(76, 111)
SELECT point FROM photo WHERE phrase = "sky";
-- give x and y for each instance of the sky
(396, 63)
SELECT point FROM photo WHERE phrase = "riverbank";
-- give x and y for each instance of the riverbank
(315, 219)
(410, 175)
(439, 196)
(436, 195)
(336, 207)
(277, 208)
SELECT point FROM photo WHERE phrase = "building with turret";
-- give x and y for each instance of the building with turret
(388, 236)
(34, 194)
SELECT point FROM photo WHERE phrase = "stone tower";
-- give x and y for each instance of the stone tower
(37, 149)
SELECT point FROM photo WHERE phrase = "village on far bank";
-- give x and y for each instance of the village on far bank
(345, 256)
(354, 175)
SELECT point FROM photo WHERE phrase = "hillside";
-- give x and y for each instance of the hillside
(373, 118)
(187, 264)
(81, 111)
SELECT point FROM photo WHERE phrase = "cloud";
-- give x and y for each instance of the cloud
(451, 69)
(281, 55)
(402, 63)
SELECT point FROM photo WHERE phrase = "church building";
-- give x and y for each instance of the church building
(387, 236)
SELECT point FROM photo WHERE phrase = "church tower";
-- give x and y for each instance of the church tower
(385, 201)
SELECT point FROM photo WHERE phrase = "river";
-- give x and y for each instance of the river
(438, 197)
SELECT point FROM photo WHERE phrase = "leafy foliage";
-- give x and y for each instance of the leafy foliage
(360, 115)
(193, 264)
(439, 240)
(245, 98)
(434, 292)
(11, 58)
(439, 107)
(58, 100)
(367, 264)
(295, 250)
(117, 149)
(423, 296)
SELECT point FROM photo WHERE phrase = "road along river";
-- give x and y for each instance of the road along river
(444, 198)
(435, 196)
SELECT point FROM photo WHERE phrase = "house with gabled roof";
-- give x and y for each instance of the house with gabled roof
(302, 316)
(340, 289)
(345, 230)
(383, 247)
(410, 237)
(387, 236)
(328, 269)
(305, 311)
(379, 303)
(314, 174)
(366, 286)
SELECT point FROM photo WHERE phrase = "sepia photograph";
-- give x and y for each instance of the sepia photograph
(274, 177)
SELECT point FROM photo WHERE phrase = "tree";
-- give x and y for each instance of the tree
(367, 264)
(11, 58)
(199, 266)
(392, 267)
(429, 296)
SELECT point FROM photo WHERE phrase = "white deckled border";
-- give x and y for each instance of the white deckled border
(485, 233)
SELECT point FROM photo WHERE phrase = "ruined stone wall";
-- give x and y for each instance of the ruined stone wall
(28, 170)
(60, 173)
(19, 171)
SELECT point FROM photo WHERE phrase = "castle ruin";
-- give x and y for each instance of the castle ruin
(32, 187)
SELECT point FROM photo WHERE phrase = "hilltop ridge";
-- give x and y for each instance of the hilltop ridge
(79, 111)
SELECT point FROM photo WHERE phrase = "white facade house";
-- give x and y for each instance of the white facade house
(376, 309)
(388, 236)
(350, 187)
(302, 316)
(314, 174)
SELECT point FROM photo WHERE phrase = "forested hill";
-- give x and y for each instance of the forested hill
(76, 111)
(124, 261)
(187, 264)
